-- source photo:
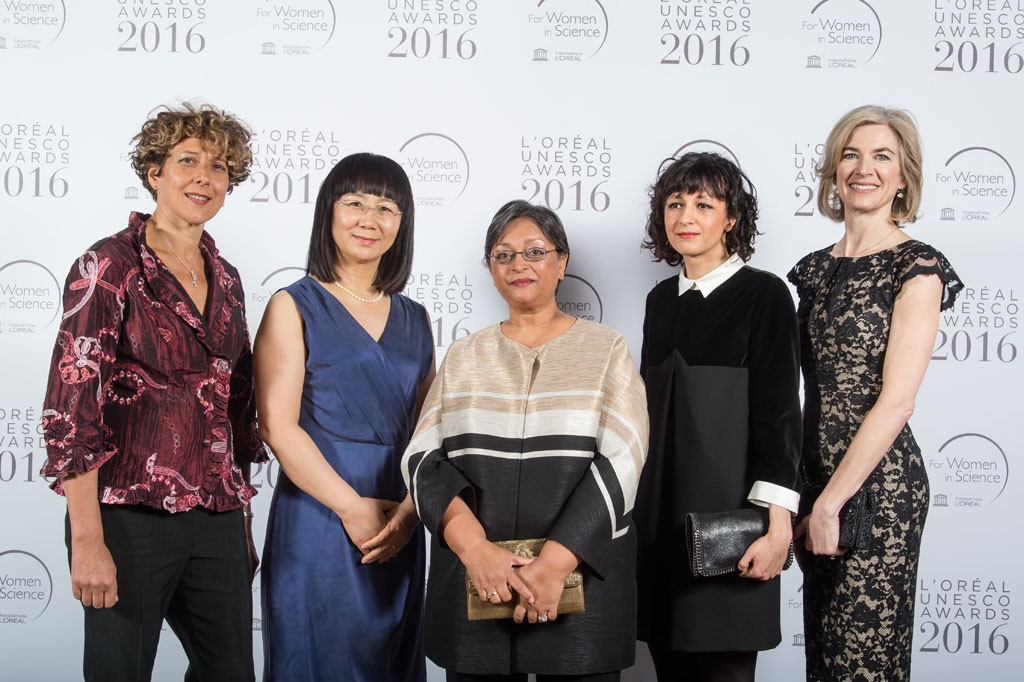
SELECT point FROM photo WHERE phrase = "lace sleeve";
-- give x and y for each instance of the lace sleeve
(799, 275)
(925, 260)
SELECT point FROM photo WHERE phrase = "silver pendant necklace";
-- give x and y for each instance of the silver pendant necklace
(191, 268)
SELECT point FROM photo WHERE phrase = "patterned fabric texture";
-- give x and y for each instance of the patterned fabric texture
(859, 609)
(145, 387)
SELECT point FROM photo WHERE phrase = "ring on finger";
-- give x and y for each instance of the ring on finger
(542, 618)
(492, 594)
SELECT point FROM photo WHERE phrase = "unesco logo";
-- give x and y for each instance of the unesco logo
(448, 298)
(567, 171)
(711, 146)
(31, 25)
(260, 296)
(841, 34)
(978, 37)
(964, 615)
(979, 184)
(578, 297)
(704, 34)
(434, 29)
(283, 161)
(30, 297)
(295, 27)
(172, 26)
(567, 30)
(969, 470)
(26, 587)
(437, 166)
(806, 157)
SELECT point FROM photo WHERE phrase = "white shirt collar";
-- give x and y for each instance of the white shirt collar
(712, 280)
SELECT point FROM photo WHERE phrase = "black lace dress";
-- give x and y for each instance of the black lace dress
(859, 610)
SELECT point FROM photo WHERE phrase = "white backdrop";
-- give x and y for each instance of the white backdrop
(573, 103)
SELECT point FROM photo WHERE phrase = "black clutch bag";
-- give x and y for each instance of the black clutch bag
(855, 518)
(716, 541)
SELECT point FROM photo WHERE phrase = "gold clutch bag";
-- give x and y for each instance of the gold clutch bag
(480, 609)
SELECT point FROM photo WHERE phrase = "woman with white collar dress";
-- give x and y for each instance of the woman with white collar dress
(721, 365)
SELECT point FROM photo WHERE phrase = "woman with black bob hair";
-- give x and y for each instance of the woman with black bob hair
(720, 364)
(372, 174)
(343, 361)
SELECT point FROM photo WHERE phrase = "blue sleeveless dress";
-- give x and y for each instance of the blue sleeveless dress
(326, 616)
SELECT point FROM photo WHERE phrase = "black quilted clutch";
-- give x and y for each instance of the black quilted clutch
(716, 541)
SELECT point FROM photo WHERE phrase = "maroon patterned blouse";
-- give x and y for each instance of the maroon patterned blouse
(142, 386)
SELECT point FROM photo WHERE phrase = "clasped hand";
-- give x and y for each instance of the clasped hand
(379, 528)
(765, 557)
(490, 567)
(546, 584)
(822, 534)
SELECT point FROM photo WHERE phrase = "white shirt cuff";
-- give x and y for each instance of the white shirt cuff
(763, 493)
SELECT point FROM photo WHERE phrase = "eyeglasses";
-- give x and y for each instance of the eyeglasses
(532, 255)
(382, 211)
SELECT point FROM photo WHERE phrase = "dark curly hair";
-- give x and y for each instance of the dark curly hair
(208, 124)
(716, 176)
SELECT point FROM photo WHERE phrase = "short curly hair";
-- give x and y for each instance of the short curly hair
(717, 176)
(167, 126)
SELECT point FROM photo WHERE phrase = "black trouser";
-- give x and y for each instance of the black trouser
(702, 666)
(190, 568)
(521, 677)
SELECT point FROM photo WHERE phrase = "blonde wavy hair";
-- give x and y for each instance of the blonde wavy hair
(167, 126)
(903, 210)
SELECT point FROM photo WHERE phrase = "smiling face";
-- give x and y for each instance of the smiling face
(868, 174)
(363, 236)
(696, 225)
(191, 185)
(527, 285)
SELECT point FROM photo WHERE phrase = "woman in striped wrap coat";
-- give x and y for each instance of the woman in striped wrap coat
(536, 427)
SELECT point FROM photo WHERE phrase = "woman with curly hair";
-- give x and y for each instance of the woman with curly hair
(149, 417)
(720, 362)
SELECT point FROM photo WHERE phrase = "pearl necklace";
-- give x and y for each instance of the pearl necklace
(380, 294)
(191, 268)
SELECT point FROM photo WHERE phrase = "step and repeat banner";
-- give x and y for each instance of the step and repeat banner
(569, 103)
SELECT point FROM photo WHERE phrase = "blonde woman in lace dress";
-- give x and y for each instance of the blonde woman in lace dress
(868, 313)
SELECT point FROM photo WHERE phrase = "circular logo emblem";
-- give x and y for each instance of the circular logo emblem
(979, 183)
(841, 34)
(567, 30)
(970, 470)
(712, 146)
(29, 297)
(438, 168)
(30, 25)
(578, 297)
(257, 297)
(296, 27)
(26, 587)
